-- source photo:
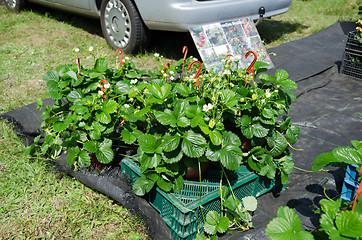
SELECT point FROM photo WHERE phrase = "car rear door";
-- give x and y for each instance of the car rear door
(82, 4)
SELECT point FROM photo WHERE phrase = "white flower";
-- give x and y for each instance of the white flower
(134, 81)
(127, 58)
(195, 59)
(156, 54)
(107, 85)
(207, 107)
(267, 93)
(165, 74)
(226, 72)
(232, 84)
(237, 58)
(100, 93)
(172, 78)
(146, 91)
(172, 72)
(123, 60)
(76, 50)
(162, 71)
(223, 60)
(126, 105)
(131, 99)
(90, 48)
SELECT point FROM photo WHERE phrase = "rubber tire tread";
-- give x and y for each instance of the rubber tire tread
(140, 34)
(18, 6)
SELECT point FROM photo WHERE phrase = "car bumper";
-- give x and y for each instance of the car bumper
(180, 15)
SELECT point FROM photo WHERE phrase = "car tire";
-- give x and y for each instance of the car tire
(14, 5)
(122, 25)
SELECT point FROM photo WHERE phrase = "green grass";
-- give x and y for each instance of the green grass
(35, 200)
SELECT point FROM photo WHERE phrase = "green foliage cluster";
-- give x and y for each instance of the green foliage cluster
(337, 220)
(175, 118)
(335, 223)
(234, 214)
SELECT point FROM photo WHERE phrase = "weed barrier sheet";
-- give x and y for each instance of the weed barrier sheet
(326, 111)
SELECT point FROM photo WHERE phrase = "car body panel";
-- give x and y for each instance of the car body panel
(180, 15)
(81, 4)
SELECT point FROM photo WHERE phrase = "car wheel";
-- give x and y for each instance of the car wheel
(122, 25)
(14, 5)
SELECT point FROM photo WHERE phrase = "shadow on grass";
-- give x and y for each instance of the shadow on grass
(272, 30)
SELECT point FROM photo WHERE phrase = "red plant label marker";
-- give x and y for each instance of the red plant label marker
(250, 69)
(102, 88)
(77, 61)
(197, 75)
(121, 59)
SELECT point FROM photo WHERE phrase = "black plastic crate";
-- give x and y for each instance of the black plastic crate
(352, 57)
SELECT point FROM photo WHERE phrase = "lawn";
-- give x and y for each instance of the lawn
(36, 200)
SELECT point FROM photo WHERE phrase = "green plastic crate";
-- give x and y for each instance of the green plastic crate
(179, 210)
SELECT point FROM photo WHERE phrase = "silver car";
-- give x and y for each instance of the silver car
(126, 23)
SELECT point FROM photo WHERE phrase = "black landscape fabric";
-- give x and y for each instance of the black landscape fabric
(327, 112)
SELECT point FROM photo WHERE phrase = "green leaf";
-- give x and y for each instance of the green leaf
(128, 137)
(105, 153)
(278, 144)
(330, 205)
(267, 113)
(288, 84)
(347, 155)
(149, 161)
(193, 144)
(142, 185)
(173, 156)
(214, 223)
(292, 134)
(200, 236)
(122, 87)
(287, 225)
(327, 222)
(109, 106)
(179, 183)
(84, 159)
(149, 143)
(101, 65)
(246, 129)
(285, 124)
(259, 131)
(159, 92)
(223, 225)
(73, 154)
(183, 89)
(170, 142)
(322, 160)
(91, 146)
(265, 78)
(250, 203)
(229, 98)
(212, 220)
(60, 126)
(223, 192)
(280, 75)
(165, 184)
(103, 117)
(166, 117)
(75, 95)
(51, 76)
(349, 224)
(216, 137)
(231, 203)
